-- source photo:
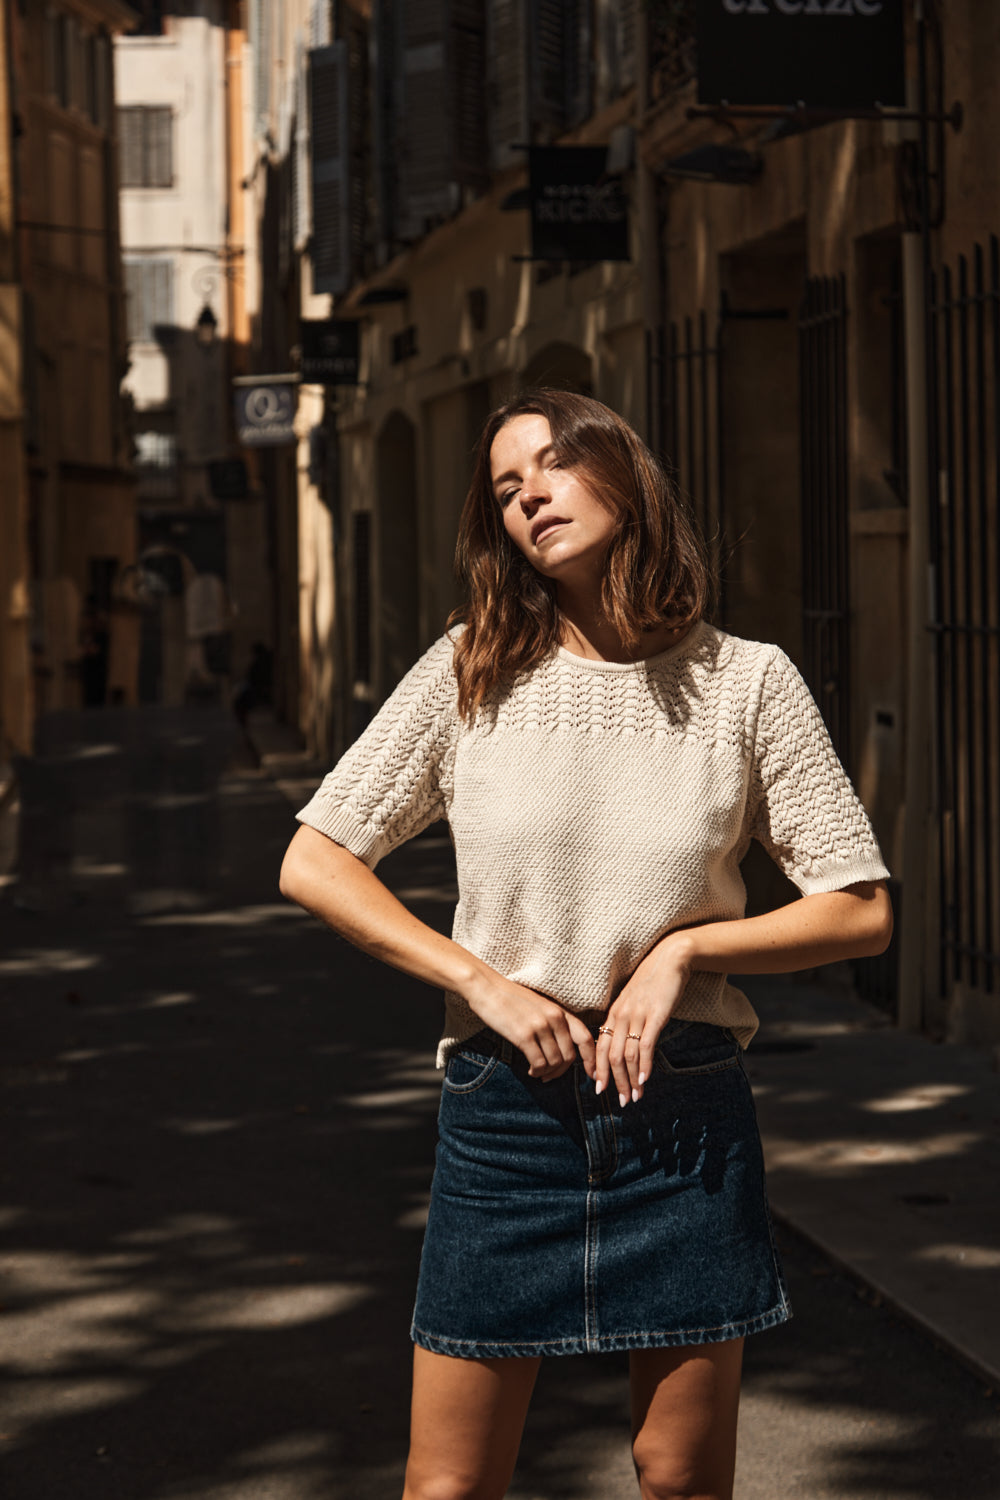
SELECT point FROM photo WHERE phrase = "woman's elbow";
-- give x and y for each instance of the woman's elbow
(293, 876)
(878, 922)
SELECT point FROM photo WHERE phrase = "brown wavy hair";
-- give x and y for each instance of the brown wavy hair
(656, 569)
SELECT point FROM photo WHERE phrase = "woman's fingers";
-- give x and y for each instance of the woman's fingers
(583, 1041)
(625, 1057)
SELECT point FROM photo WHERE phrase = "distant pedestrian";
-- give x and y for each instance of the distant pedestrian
(603, 757)
(254, 688)
(95, 653)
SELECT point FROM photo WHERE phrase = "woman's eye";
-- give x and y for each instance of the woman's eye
(507, 497)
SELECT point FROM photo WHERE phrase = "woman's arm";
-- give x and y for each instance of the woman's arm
(821, 929)
(343, 892)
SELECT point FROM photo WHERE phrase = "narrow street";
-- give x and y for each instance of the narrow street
(219, 1128)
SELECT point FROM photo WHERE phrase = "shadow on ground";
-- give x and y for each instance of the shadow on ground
(219, 1126)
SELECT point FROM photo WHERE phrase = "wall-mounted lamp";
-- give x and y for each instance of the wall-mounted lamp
(730, 164)
(204, 328)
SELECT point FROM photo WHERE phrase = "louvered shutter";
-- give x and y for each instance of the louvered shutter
(260, 37)
(467, 91)
(149, 291)
(328, 94)
(159, 148)
(131, 151)
(628, 20)
(301, 206)
(426, 191)
(385, 119)
(508, 94)
(319, 24)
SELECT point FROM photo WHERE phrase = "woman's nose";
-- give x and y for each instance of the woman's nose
(533, 491)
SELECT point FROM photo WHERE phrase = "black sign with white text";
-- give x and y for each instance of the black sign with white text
(578, 211)
(330, 351)
(825, 54)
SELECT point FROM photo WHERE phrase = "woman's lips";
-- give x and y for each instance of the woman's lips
(546, 529)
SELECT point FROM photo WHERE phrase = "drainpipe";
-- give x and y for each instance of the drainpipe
(917, 828)
(649, 241)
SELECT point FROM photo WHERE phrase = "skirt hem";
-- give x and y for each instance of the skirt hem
(607, 1343)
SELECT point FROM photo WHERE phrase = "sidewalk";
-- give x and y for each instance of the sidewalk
(882, 1148)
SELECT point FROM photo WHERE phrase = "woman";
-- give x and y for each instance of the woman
(602, 756)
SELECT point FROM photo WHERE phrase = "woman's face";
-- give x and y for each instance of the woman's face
(550, 512)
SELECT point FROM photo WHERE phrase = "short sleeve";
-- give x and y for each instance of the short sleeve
(801, 804)
(395, 779)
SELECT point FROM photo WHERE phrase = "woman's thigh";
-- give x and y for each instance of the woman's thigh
(685, 1404)
(466, 1422)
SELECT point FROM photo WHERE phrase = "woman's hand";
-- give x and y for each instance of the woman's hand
(550, 1038)
(627, 1041)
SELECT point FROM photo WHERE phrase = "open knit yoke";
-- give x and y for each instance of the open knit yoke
(596, 806)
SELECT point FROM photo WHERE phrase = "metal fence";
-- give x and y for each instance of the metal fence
(692, 425)
(824, 489)
(964, 392)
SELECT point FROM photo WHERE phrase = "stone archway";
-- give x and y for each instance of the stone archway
(397, 560)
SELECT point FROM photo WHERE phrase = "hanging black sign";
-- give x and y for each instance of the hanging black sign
(265, 409)
(330, 351)
(578, 211)
(825, 54)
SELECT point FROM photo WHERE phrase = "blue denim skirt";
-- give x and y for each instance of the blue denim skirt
(561, 1223)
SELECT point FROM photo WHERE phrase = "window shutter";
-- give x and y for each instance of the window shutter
(260, 37)
(130, 147)
(159, 148)
(467, 68)
(628, 21)
(301, 206)
(509, 126)
(426, 183)
(149, 290)
(385, 122)
(328, 93)
(319, 24)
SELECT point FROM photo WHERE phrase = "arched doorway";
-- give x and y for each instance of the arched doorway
(396, 552)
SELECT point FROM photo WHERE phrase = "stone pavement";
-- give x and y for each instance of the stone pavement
(218, 1123)
(882, 1148)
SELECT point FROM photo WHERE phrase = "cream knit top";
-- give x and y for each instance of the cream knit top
(595, 806)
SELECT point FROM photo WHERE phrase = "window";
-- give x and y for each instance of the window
(156, 464)
(149, 289)
(156, 450)
(145, 146)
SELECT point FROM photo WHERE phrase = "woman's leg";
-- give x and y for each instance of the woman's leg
(684, 1408)
(466, 1422)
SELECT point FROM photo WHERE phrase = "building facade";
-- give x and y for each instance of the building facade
(183, 162)
(68, 637)
(804, 328)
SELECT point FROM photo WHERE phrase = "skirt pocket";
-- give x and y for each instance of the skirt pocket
(469, 1068)
(690, 1049)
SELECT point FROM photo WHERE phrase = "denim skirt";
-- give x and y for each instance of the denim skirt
(561, 1223)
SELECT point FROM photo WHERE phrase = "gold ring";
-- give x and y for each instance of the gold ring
(606, 1030)
(635, 1036)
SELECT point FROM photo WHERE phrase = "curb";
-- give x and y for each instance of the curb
(892, 1300)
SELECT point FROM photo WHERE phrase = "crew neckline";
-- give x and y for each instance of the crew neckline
(591, 664)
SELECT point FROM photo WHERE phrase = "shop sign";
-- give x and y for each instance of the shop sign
(330, 351)
(825, 54)
(265, 409)
(578, 211)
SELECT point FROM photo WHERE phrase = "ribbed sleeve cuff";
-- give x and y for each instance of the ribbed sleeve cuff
(343, 826)
(836, 877)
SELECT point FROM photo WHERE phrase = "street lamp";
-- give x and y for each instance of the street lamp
(204, 328)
